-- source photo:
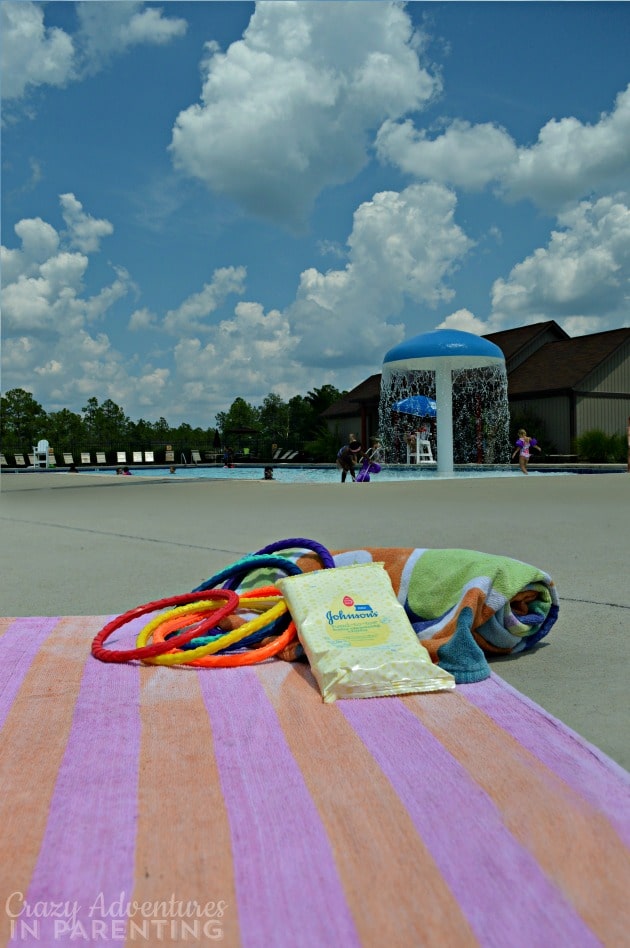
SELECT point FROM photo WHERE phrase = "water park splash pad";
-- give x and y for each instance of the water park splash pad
(465, 376)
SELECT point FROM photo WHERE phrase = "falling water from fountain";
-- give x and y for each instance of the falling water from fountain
(466, 376)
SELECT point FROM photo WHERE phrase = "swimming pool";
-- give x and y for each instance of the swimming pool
(328, 475)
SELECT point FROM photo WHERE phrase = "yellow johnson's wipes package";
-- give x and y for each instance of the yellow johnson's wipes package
(356, 635)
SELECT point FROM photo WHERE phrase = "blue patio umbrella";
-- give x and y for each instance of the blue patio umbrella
(417, 405)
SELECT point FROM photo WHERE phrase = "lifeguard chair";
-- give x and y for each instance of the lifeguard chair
(41, 454)
(419, 449)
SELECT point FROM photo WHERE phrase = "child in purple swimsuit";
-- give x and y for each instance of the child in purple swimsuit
(523, 445)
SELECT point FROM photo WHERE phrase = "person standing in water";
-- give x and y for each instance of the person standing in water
(523, 448)
(347, 459)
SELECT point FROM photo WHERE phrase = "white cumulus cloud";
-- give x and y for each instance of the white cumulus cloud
(32, 53)
(465, 321)
(403, 246)
(192, 315)
(290, 109)
(84, 231)
(570, 160)
(465, 155)
(44, 301)
(109, 29)
(581, 278)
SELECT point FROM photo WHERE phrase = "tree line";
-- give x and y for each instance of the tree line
(245, 429)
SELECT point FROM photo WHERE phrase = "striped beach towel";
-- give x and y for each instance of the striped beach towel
(182, 806)
(464, 605)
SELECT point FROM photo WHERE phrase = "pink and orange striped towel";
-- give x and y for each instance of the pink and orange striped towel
(179, 806)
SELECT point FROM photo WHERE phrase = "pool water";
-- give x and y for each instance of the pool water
(325, 475)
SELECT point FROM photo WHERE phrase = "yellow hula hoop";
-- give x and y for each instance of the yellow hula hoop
(200, 611)
(177, 657)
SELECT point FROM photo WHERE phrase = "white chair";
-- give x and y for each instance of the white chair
(420, 452)
(40, 454)
(85, 458)
(121, 457)
(100, 457)
(19, 460)
(195, 457)
(137, 457)
(149, 457)
(3, 461)
(68, 459)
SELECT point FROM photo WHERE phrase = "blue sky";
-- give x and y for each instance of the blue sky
(209, 200)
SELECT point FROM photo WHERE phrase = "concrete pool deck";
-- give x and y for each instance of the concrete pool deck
(98, 545)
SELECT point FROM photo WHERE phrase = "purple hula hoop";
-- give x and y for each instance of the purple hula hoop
(300, 543)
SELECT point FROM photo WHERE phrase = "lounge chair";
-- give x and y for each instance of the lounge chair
(3, 461)
(19, 460)
(149, 457)
(291, 455)
(68, 459)
(85, 458)
(121, 457)
(169, 457)
(31, 459)
(137, 457)
(100, 457)
(276, 454)
(195, 457)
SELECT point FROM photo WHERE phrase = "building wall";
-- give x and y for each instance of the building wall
(606, 414)
(554, 412)
(609, 414)
(613, 375)
(346, 426)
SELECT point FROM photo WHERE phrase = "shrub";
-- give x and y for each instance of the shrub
(595, 445)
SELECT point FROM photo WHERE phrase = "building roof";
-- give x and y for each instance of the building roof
(368, 391)
(511, 341)
(565, 364)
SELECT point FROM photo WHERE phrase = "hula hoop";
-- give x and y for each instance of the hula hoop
(303, 543)
(159, 648)
(251, 657)
(238, 570)
(194, 615)
(266, 594)
(259, 599)
(168, 654)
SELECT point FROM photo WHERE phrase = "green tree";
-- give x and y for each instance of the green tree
(240, 415)
(274, 420)
(107, 424)
(324, 445)
(141, 433)
(162, 430)
(22, 419)
(322, 398)
(65, 430)
(303, 420)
